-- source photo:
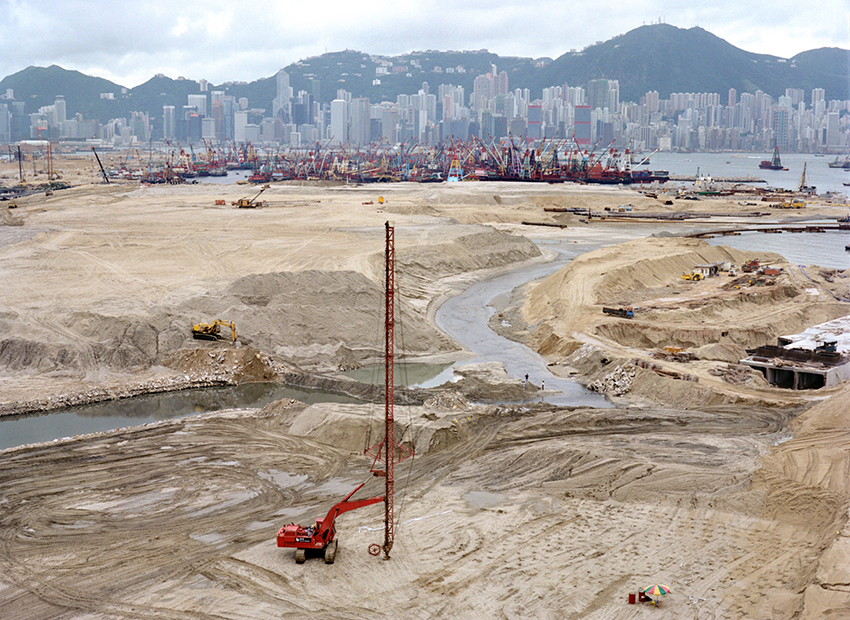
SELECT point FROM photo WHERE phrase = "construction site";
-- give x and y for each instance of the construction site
(691, 456)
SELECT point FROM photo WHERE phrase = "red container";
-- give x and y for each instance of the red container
(641, 597)
(631, 598)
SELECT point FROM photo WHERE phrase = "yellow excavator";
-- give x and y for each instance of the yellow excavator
(211, 331)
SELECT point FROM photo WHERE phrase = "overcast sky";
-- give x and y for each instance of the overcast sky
(220, 41)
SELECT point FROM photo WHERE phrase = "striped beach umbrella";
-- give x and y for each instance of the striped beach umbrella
(656, 590)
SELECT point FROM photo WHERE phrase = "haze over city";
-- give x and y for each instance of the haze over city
(128, 43)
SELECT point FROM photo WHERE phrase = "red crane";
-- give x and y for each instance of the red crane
(322, 535)
(388, 451)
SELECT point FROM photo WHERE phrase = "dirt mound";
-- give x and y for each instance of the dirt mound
(804, 483)
(454, 401)
(488, 382)
(616, 376)
(442, 423)
(8, 217)
(78, 342)
(721, 352)
(654, 262)
(230, 364)
(307, 316)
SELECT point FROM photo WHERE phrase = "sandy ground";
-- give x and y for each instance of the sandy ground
(734, 494)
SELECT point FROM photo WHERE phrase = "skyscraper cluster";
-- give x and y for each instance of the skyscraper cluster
(587, 114)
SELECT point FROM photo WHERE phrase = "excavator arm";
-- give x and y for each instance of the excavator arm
(344, 506)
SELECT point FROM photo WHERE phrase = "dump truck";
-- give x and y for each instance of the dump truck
(750, 266)
(627, 313)
(211, 331)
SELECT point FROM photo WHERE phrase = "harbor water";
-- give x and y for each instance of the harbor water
(815, 249)
(743, 165)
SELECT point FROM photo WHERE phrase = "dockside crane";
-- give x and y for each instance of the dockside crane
(102, 171)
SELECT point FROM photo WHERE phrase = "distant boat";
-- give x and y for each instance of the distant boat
(773, 164)
(840, 164)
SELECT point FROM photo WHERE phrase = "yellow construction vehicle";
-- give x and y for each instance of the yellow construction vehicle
(695, 276)
(210, 331)
(250, 203)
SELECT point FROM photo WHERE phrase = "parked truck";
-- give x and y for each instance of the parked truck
(750, 266)
(627, 313)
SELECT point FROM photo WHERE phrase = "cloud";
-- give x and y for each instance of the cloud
(129, 42)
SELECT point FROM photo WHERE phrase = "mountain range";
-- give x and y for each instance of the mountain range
(657, 57)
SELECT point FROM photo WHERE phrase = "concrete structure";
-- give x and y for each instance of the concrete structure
(816, 358)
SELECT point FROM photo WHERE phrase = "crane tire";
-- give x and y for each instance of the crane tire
(300, 556)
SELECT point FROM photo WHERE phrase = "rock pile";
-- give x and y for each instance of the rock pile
(449, 400)
(616, 383)
(733, 373)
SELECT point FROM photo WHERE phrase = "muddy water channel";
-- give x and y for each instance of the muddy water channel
(466, 319)
(36, 428)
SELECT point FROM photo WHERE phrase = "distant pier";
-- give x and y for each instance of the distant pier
(692, 179)
(815, 228)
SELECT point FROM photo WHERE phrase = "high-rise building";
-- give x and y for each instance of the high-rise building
(280, 104)
(240, 121)
(501, 84)
(339, 122)
(535, 121)
(652, 101)
(582, 125)
(359, 121)
(199, 102)
(613, 101)
(597, 93)
(482, 92)
(832, 134)
(796, 94)
(782, 126)
(5, 124)
(61, 111)
(169, 122)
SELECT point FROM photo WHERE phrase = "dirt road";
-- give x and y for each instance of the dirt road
(502, 512)
(507, 512)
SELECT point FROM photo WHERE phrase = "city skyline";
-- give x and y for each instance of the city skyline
(799, 120)
(215, 41)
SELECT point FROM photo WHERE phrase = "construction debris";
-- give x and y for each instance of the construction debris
(733, 373)
(449, 400)
(615, 383)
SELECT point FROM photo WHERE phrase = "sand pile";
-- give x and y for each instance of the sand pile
(113, 277)
(669, 311)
